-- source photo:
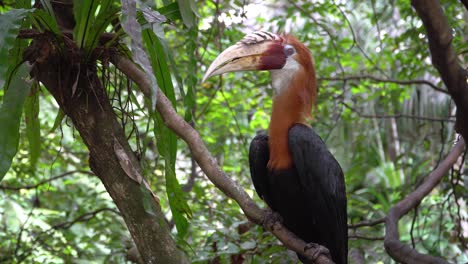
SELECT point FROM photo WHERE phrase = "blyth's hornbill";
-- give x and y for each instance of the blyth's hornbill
(291, 168)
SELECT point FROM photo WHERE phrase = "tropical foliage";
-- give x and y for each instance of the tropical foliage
(383, 111)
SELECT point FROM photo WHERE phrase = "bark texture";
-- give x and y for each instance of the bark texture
(76, 86)
(93, 117)
(444, 57)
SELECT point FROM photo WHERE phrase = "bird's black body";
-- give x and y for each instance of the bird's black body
(310, 196)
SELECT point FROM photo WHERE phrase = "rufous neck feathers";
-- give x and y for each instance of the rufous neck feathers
(294, 97)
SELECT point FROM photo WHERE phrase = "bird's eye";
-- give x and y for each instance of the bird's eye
(289, 50)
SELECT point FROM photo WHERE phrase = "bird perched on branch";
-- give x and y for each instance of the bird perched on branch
(291, 168)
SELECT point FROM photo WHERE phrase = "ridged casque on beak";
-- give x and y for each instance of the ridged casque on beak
(259, 50)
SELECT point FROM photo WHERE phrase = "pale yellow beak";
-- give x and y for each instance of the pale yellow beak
(239, 57)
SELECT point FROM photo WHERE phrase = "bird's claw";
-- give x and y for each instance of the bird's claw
(317, 250)
(270, 220)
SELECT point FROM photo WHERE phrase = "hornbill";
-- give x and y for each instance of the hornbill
(291, 168)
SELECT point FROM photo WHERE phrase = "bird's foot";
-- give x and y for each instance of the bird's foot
(317, 250)
(270, 220)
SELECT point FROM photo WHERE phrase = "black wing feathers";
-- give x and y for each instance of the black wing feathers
(259, 154)
(322, 179)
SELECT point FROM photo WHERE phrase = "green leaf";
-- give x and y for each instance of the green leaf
(248, 245)
(107, 13)
(158, 61)
(166, 2)
(189, 99)
(164, 50)
(148, 200)
(43, 20)
(171, 11)
(167, 140)
(84, 14)
(58, 120)
(10, 116)
(10, 23)
(48, 8)
(167, 147)
(23, 4)
(89, 24)
(177, 202)
(33, 132)
(188, 10)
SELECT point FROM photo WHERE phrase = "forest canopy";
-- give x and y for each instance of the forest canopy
(113, 150)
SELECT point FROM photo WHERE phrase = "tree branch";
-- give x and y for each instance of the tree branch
(444, 58)
(84, 218)
(33, 186)
(384, 80)
(367, 223)
(398, 115)
(361, 237)
(397, 250)
(208, 163)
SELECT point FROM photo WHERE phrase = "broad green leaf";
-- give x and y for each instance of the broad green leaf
(188, 12)
(162, 50)
(10, 23)
(33, 132)
(178, 203)
(167, 53)
(167, 147)
(158, 61)
(189, 99)
(10, 116)
(167, 140)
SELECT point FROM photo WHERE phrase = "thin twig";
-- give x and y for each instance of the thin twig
(84, 218)
(367, 223)
(385, 80)
(34, 186)
(398, 115)
(355, 236)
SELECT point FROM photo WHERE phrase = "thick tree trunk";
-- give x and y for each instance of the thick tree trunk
(61, 69)
(92, 115)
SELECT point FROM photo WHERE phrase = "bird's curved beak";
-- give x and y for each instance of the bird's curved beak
(264, 55)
